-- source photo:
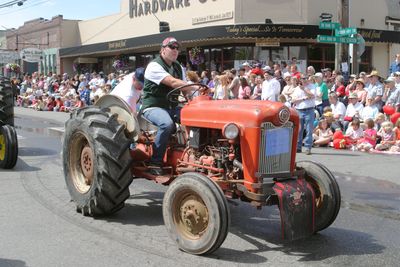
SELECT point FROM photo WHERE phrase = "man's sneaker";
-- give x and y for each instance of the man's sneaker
(308, 151)
(298, 150)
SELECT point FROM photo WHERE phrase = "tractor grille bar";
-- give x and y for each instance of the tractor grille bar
(275, 148)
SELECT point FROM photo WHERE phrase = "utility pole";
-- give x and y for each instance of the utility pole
(341, 49)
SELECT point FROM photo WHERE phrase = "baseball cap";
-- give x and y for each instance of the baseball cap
(139, 75)
(266, 68)
(169, 41)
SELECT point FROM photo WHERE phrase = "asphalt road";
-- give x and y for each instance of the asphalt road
(39, 225)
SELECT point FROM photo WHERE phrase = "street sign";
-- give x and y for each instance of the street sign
(337, 39)
(329, 25)
(345, 31)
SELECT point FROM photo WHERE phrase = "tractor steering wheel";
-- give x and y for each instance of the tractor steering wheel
(174, 96)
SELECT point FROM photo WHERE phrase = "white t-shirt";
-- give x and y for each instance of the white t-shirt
(156, 73)
(339, 109)
(128, 92)
(270, 90)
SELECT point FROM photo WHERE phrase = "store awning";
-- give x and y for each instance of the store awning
(85, 60)
(224, 31)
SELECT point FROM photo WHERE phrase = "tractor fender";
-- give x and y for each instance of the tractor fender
(124, 113)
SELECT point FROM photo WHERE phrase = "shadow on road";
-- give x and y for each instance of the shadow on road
(22, 166)
(11, 263)
(36, 151)
(263, 233)
(141, 209)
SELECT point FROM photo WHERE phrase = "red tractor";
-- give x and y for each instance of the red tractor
(235, 149)
(8, 135)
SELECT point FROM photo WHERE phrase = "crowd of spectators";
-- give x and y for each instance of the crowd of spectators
(358, 113)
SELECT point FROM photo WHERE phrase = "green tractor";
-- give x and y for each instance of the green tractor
(8, 135)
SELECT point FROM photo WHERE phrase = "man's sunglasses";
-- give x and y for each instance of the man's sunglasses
(173, 47)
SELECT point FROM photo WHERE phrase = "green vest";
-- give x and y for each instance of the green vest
(156, 95)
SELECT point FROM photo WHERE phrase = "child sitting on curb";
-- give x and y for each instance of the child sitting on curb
(369, 140)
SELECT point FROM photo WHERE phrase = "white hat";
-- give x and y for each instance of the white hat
(246, 64)
(390, 79)
(319, 75)
(266, 68)
(286, 74)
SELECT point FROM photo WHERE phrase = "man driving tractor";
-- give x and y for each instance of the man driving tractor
(162, 75)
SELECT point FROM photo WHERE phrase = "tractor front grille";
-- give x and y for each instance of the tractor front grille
(275, 148)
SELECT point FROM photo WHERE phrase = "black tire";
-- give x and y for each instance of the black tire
(8, 147)
(6, 103)
(327, 193)
(96, 161)
(193, 196)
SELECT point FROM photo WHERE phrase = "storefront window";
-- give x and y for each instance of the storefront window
(215, 59)
(243, 53)
(228, 57)
(365, 64)
(261, 54)
(321, 56)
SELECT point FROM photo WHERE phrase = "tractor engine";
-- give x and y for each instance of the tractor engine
(210, 153)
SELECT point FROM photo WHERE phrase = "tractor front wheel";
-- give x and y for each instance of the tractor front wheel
(196, 213)
(327, 193)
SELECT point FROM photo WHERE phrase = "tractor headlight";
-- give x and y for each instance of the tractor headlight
(231, 131)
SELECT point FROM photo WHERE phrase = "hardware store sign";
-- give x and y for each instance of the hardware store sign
(139, 8)
(31, 54)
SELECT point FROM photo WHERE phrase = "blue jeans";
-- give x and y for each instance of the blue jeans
(307, 118)
(162, 118)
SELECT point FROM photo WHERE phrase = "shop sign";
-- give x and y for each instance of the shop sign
(262, 29)
(31, 54)
(8, 56)
(215, 17)
(267, 42)
(372, 35)
(139, 8)
(117, 44)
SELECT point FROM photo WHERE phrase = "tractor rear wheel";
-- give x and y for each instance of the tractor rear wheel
(96, 161)
(8, 147)
(327, 193)
(196, 213)
(6, 103)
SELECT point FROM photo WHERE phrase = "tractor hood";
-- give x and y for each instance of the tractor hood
(203, 112)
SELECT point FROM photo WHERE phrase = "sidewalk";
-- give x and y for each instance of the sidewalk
(60, 117)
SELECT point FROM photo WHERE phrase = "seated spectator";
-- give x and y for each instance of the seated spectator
(354, 132)
(360, 91)
(388, 138)
(368, 141)
(369, 111)
(59, 104)
(322, 133)
(51, 103)
(354, 109)
(338, 108)
(378, 120)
